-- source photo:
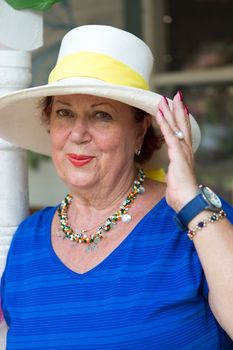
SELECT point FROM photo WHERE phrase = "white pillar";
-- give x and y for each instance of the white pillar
(20, 32)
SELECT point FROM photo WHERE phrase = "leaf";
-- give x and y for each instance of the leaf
(40, 5)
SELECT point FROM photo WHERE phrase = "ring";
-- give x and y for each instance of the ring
(179, 134)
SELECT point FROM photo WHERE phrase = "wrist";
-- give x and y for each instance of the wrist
(187, 196)
(204, 199)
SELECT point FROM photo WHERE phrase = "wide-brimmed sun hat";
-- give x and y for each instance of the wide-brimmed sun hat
(96, 60)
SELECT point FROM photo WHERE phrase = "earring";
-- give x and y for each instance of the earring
(138, 151)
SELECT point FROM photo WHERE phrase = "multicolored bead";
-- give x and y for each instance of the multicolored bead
(94, 239)
(203, 223)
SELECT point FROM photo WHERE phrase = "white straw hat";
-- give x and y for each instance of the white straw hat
(96, 60)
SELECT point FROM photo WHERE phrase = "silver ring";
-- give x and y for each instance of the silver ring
(179, 134)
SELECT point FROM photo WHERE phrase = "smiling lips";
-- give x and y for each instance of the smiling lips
(79, 160)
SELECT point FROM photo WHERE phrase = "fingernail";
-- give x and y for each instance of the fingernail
(165, 99)
(186, 110)
(161, 112)
(180, 95)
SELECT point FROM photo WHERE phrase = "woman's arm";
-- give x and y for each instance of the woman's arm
(214, 243)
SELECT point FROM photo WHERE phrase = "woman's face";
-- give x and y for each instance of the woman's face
(93, 138)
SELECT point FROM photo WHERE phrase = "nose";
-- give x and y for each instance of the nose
(80, 132)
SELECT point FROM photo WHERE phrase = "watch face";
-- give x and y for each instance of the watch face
(212, 197)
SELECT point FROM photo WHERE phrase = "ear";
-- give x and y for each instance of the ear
(142, 129)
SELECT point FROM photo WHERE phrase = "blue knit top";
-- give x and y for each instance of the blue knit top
(149, 293)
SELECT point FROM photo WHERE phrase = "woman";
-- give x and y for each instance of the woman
(111, 266)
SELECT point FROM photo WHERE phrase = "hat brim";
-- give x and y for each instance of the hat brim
(20, 121)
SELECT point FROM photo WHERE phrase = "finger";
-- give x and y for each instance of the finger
(169, 135)
(187, 114)
(168, 114)
(181, 116)
(173, 116)
(177, 149)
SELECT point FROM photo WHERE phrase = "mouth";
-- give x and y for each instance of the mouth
(79, 160)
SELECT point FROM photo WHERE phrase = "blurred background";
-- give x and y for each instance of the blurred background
(192, 43)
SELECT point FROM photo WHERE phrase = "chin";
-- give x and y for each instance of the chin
(79, 179)
(82, 176)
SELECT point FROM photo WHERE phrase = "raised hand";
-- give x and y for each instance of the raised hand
(175, 126)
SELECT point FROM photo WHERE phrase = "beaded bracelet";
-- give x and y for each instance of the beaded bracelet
(203, 223)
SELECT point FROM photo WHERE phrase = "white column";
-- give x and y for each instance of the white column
(20, 33)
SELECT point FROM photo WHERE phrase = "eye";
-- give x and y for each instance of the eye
(103, 116)
(64, 113)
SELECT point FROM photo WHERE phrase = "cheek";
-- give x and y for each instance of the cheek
(116, 141)
(58, 137)
(58, 141)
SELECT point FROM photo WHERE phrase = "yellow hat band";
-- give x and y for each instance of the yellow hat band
(97, 66)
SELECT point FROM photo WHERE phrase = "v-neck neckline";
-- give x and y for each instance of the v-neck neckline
(56, 260)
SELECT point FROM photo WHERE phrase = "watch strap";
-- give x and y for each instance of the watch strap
(189, 211)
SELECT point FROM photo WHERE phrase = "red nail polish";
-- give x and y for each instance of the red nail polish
(165, 99)
(186, 110)
(161, 112)
(180, 95)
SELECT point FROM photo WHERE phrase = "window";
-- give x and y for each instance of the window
(193, 48)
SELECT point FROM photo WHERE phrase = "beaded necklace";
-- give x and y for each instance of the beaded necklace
(93, 239)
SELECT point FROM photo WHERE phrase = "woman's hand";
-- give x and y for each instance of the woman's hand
(181, 179)
(215, 245)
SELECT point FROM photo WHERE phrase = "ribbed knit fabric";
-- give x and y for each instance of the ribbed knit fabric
(148, 294)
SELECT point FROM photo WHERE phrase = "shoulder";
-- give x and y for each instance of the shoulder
(160, 216)
(155, 202)
(33, 225)
(155, 190)
(39, 216)
(30, 235)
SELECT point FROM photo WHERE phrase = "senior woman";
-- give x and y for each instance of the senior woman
(112, 266)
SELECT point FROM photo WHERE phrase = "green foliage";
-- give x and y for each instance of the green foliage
(32, 4)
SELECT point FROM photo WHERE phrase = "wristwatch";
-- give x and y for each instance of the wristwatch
(205, 199)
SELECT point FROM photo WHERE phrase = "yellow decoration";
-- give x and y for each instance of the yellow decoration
(97, 66)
